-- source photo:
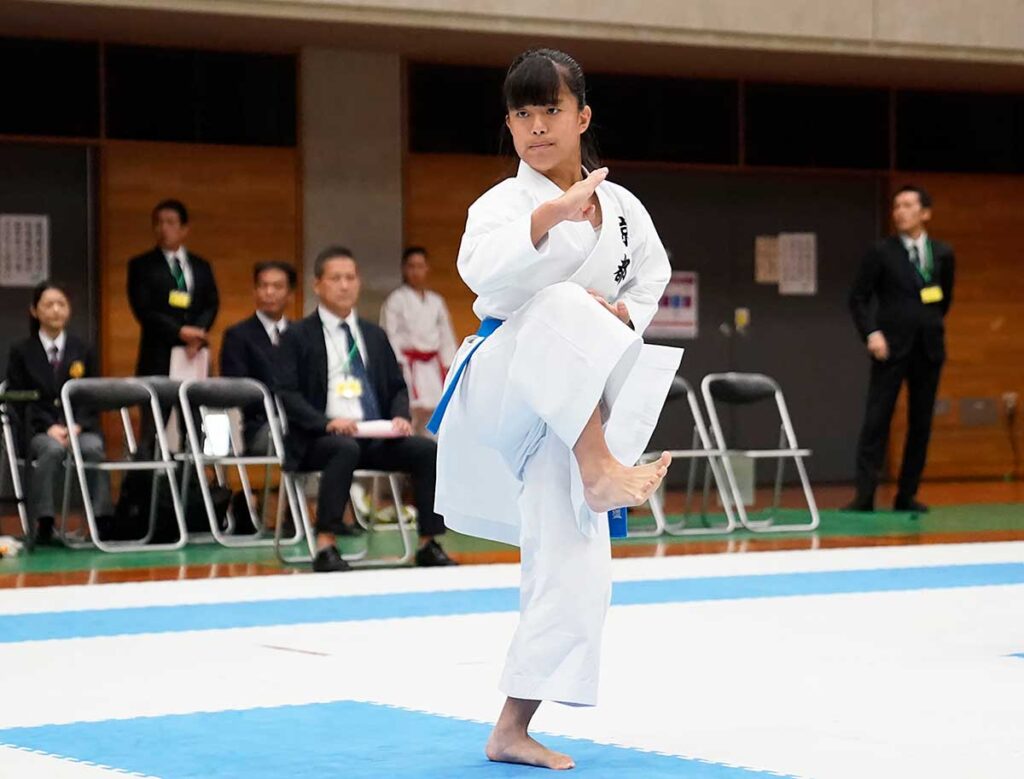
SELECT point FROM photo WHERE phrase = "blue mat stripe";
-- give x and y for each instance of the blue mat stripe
(294, 611)
(339, 739)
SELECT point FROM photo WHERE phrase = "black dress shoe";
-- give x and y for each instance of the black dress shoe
(859, 505)
(431, 554)
(328, 560)
(44, 532)
(355, 529)
(909, 504)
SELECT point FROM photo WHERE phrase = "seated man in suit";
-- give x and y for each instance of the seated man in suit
(44, 362)
(335, 371)
(250, 348)
(172, 293)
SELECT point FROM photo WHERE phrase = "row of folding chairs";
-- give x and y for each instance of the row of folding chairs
(708, 444)
(204, 406)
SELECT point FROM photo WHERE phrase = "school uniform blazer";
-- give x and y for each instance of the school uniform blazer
(301, 380)
(28, 368)
(886, 296)
(150, 283)
(248, 352)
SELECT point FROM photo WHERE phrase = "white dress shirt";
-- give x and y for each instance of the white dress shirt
(338, 348)
(49, 343)
(274, 329)
(921, 242)
(186, 266)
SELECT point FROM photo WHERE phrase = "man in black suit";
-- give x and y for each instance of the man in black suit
(336, 371)
(899, 301)
(172, 293)
(250, 348)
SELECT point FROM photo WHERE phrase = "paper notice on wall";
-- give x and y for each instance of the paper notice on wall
(24, 249)
(798, 264)
(766, 259)
(677, 310)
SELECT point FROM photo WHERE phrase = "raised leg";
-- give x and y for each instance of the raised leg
(608, 484)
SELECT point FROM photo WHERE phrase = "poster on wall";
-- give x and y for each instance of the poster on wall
(24, 249)
(798, 264)
(677, 310)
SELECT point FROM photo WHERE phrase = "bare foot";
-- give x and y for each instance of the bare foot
(614, 485)
(520, 748)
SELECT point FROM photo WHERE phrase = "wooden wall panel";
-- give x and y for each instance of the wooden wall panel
(981, 217)
(243, 207)
(439, 189)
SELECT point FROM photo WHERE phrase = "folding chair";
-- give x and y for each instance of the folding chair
(294, 484)
(15, 464)
(120, 395)
(215, 397)
(742, 389)
(700, 449)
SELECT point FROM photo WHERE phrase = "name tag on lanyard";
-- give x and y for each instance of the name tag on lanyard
(350, 388)
(179, 299)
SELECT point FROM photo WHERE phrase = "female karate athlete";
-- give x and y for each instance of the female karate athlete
(556, 395)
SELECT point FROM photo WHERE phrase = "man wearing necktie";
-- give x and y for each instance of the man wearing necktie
(336, 371)
(172, 293)
(899, 301)
(250, 347)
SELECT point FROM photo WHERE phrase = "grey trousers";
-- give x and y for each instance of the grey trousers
(46, 479)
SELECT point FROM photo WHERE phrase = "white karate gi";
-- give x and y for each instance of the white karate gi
(420, 331)
(505, 465)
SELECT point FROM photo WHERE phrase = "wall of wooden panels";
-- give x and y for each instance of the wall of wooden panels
(981, 217)
(243, 206)
(439, 188)
(978, 214)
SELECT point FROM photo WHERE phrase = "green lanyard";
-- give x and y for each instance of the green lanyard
(337, 352)
(929, 263)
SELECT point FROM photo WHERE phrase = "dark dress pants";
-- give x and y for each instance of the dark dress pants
(339, 456)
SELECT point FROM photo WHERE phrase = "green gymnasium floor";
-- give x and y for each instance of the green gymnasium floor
(944, 524)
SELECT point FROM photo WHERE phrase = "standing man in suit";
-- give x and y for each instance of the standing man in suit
(337, 370)
(172, 293)
(899, 301)
(250, 348)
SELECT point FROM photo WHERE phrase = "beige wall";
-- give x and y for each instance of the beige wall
(352, 163)
(986, 30)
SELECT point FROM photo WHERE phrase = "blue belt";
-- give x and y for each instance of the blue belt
(487, 328)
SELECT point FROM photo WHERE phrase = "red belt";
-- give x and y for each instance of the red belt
(412, 355)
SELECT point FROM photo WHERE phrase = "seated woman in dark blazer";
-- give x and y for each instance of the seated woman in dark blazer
(44, 361)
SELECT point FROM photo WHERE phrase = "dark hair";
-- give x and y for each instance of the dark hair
(37, 294)
(410, 251)
(330, 253)
(922, 194)
(407, 254)
(172, 205)
(536, 76)
(285, 267)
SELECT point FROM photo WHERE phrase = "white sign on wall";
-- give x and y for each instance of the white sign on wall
(798, 264)
(24, 249)
(677, 310)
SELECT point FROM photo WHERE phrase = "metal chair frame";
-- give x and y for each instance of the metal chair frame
(163, 465)
(700, 448)
(294, 485)
(788, 448)
(201, 461)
